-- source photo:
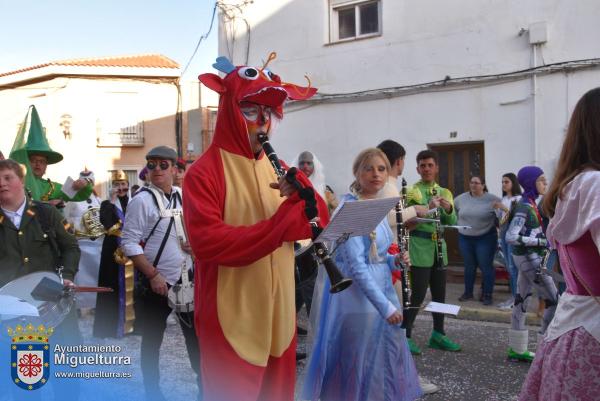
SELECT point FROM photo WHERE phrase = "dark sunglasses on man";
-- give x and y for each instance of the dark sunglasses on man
(163, 164)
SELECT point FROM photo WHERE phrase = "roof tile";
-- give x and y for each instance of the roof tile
(133, 61)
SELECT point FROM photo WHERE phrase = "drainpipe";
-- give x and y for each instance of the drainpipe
(538, 35)
(179, 121)
(535, 106)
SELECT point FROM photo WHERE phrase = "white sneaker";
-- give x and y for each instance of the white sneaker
(427, 386)
(508, 304)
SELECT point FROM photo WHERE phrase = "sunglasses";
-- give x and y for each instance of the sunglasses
(163, 165)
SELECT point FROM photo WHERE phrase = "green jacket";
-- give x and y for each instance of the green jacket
(53, 190)
(423, 250)
(27, 249)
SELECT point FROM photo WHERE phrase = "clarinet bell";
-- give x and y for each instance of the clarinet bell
(338, 281)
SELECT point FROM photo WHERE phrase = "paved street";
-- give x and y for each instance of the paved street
(479, 373)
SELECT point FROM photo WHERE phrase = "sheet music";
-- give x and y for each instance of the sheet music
(67, 187)
(439, 307)
(357, 218)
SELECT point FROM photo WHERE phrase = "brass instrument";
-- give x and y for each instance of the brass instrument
(90, 221)
(337, 281)
(438, 234)
(403, 241)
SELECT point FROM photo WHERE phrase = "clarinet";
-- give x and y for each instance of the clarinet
(403, 241)
(439, 234)
(338, 282)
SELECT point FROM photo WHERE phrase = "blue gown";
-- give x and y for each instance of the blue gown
(356, 355)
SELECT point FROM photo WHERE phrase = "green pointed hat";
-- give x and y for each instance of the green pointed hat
(36, 144)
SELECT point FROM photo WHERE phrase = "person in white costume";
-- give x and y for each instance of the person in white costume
(82, 216)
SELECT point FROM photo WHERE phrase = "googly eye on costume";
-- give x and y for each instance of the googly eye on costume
(249, 73)
(269, 74)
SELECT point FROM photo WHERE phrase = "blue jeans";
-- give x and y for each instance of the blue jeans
(511, 268)
(479, 251)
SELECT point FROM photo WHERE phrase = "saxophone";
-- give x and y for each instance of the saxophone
(403, 241)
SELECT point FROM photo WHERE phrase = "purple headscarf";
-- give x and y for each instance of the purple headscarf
(527, 177)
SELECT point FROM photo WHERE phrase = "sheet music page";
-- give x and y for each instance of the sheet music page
(357, 218)
(439, 307)
(67, 187)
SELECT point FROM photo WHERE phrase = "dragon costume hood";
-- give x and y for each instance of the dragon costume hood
(251, 84)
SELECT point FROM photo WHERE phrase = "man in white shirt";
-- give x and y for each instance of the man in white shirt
(152, 244)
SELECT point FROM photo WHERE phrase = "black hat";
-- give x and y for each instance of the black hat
(162, 152)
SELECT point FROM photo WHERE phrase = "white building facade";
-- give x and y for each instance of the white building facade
(488, 84)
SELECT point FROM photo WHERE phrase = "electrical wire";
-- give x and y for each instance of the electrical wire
(451, 84)
(203, 37)
(231, 12)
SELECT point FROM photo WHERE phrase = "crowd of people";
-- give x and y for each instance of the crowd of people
(234, 225)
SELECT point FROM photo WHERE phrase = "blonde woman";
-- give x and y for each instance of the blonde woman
(359, 350)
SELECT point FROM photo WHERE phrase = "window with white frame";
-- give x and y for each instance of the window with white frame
(354, 19)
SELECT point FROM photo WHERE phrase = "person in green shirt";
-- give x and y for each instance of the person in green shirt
(427, 270)
(51, 191)
(32, 150)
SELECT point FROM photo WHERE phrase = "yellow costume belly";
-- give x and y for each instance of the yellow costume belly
(255, 303)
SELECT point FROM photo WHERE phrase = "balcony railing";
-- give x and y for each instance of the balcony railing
(132, 135)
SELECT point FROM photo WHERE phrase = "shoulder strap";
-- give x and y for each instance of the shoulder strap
(177, 215)
(159, 205)
(155, 196)
(175, 219)
(163, 213)
(162, 244)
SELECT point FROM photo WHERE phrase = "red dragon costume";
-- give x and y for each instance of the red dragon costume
(242, 232)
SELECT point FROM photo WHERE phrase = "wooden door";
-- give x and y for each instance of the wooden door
(458, 163)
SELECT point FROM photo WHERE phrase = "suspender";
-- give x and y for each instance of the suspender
(175, 219)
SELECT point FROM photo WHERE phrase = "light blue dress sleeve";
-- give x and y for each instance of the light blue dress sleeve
(354, 253)
(391, 262)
